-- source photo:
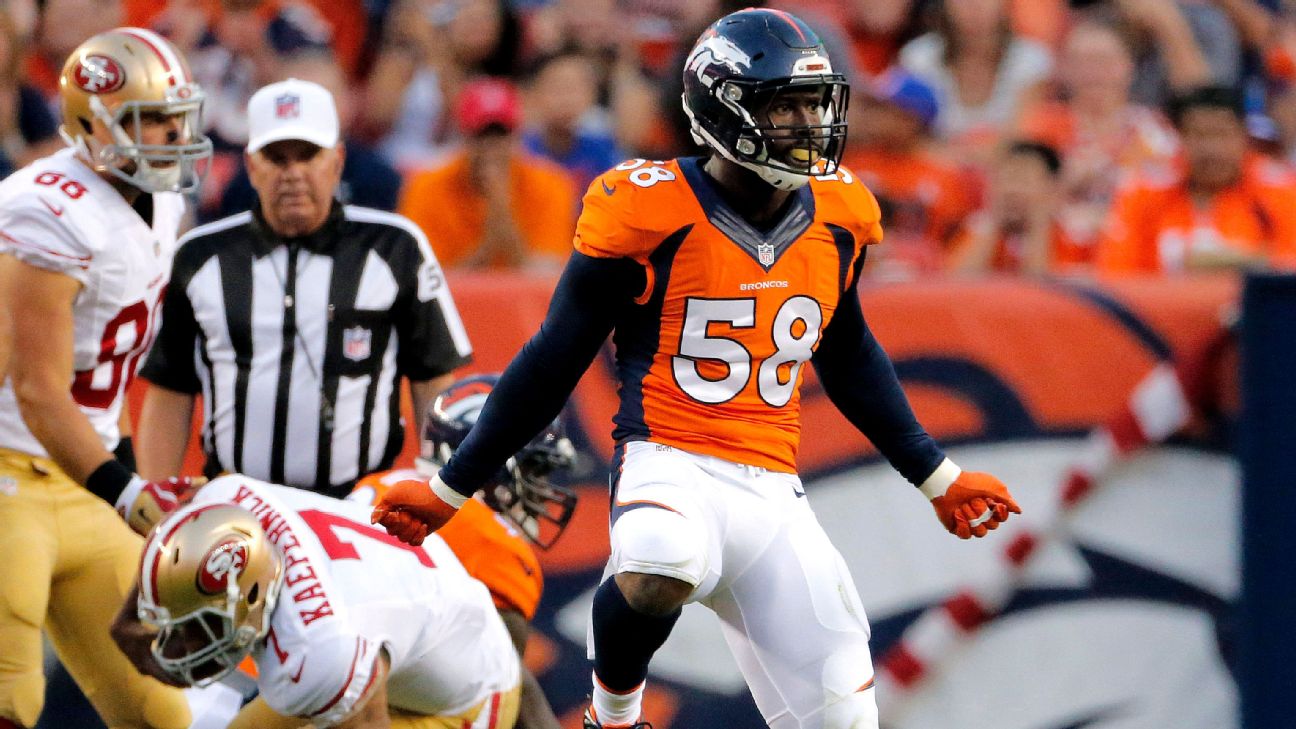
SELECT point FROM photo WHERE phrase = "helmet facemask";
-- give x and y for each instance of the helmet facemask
(222, 644)
(786, 157)
(540, 508)
(151, 167)
(521, 490)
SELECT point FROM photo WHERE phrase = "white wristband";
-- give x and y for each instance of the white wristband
(128, 495)
(940, 479)
(445, 493)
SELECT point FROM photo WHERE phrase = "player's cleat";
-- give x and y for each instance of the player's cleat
(590, 723)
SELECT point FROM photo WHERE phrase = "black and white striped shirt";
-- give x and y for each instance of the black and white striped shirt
(297, 345)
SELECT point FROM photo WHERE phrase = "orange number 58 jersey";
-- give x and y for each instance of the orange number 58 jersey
(710, 357)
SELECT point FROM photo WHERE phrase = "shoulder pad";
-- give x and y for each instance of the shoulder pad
(631, 207)
(494, 553)
(44, 230)
(842, 199)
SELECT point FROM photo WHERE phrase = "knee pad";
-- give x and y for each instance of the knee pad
(659, 541)
(854, 711)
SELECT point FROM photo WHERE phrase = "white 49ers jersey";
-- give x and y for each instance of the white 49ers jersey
(59, 215)
(351, 589)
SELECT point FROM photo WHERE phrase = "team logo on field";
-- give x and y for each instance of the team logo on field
(223, 563)
(765, 254)
(287, 106)
(99, 75)
(356, 343)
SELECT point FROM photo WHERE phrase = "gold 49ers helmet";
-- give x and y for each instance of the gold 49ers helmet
(209, 581)
(115, 82)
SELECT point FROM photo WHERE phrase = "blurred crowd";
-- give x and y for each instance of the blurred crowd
(1042, 137)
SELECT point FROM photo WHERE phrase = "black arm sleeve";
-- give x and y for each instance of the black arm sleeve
(170, 361)
(860, 380)
(536, 385)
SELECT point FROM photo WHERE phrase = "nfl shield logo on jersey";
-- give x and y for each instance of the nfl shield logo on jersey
(765, 254)
(355, 343)
(287, 106)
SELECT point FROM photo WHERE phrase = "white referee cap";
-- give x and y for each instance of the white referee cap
(292, 109)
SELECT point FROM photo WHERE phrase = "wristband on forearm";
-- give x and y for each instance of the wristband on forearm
(941, 479)
(109, 480)
(446, 492)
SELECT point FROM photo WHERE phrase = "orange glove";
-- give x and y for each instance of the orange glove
(413, 509)
(968, 504)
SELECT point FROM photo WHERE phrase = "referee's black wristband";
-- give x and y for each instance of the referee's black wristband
(109, 480)
(125, 453)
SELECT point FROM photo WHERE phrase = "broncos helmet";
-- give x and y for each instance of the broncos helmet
(520, 491)
(734, 72)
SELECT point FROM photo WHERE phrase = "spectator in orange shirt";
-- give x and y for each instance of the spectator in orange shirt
(493, 205)
(924, 198)
(1019, 231)
(1223, 206)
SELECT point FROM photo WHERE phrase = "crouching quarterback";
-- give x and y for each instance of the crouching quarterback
(720, 277)
(347, 626)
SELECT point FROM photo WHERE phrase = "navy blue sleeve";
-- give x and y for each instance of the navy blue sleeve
(586, 304)
(860, 380)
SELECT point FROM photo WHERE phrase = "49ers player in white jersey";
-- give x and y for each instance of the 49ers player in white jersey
(87, 235)
(347, 625)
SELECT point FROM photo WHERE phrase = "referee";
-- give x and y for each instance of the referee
(297, 320)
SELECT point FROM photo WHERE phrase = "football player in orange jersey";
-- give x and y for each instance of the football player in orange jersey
(720, 277)
(489, 534)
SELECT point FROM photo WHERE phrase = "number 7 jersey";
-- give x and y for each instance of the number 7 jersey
(58, 215)
(710, 356)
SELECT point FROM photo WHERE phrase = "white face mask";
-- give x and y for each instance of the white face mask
(156, 167)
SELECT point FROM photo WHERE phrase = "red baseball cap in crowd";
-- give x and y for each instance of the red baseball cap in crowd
(486, 103)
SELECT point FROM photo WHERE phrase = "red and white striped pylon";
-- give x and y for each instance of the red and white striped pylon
(1158, 407)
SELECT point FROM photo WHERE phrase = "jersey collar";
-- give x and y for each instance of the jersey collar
(764, 246)
(321, 241)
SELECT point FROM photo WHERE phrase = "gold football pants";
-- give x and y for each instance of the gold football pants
(66, 563)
